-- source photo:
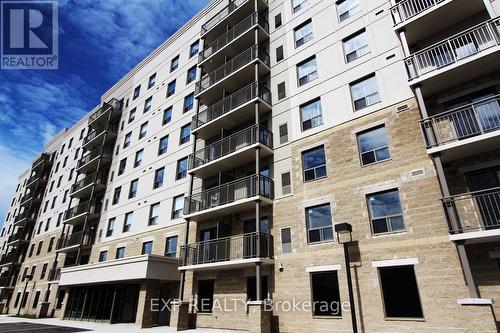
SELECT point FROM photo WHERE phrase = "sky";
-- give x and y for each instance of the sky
(99, 42)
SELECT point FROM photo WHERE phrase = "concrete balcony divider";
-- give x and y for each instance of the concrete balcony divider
(462, 123)
(454, 49)
(406, 9)
(241, 247)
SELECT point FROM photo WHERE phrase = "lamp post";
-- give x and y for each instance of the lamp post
(346, 229)
(27, 278)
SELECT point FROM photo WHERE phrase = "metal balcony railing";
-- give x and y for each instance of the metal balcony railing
(44, 157)
(246, 246)
(8, 258)
(54, 274)
(18, 236)
(94, 133)
(101, 152)
(239, 61)
(93, 178)
(82, 208)
(463, 122)
(7, 281)
(29, 196)
(473, 211)
(24, 215)
(406, 9)
(106, 106)
(221, 15)
(454, 49)
(77, 238)
(230, 103)
(239, 189)
(232, 143)
(233, 34)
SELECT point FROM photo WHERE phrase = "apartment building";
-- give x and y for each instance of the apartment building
(215, 172)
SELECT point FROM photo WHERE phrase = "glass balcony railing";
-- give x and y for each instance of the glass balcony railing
(246, 246)
(231, 144)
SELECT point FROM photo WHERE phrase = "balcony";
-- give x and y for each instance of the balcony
(234, 109)
(29, 198)
(71, 242)
(7, 282)
(23, 218)
(100, 136)
(415, 16)
(228, 252)
(474, 217)
(83, 187)
(224, 77)
(108, 111)
(240, 37)
(472, 51)
(44, 158)
(466, 130)
(232, 197)
(77, 214)
(36, 179)
(54, 274)
(11, 258)
(18, 238)
(90, 161)
(232, 151)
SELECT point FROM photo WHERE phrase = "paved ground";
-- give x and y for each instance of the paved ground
(52, 325)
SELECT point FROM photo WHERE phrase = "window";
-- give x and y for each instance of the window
(111, 226)
(174, 64)
(51, 244)
(306, 71)
(116, 195)
(385, 212)
(326, 294)
(103, 256)
(127, 222)
(147, 247)
(47, 225)
(400, 292)
(50, 190)
(347, 8)
(137, 92)
(71, 172)
(185, 134)
(171, 88)
(182, 166)
(77, 153)
(163, 145)
(356, 46)
(53, 204)
(194, 49)
(152, 80)
(126, 140)
(281, 91)
(32, 249)
(147, 104)
(36, 299)
(252, 290)
(303, 33)
(70, 143)
(44, 270)
(191, 74)
(279, 53)
(167, 115)
(205, 296)
(177, 207)
(171, 246)
(132, 192)
(59, 181)
(138, 158)
(314, 163)
(188, 102)
(122, 166)
(286, 240)
(154, 213)
(283, 133)
(364, 92)
(82, 132)
(59, 219)
(311, 115)
(298, 5)
(120, 252)
(277, 21)
(65, 196)
(65, 161)
(286, 184)
(319, 223)
(39, 248)
(373, 146)
(62, 149)
(60, 299)
(158, 181)
(143, 130)
(131, 115)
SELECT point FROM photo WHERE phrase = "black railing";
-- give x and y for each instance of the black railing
(82, 208)
(44, 157)
(232, 143)
(8, 258)
(239, 61)
(106, 106)
(93, 178)
(29, 196)
(24, 215)
(231, 102)
(233, 34)
(18, 236)
(7, 281)
(76, 238)
(230, 192)
(221, 15)
(101, 152)
(246, 246)
(101, 129)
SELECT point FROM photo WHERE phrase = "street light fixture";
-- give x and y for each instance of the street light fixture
(346, 230)
(27, 278)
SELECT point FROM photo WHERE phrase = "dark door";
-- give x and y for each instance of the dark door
(250, 238)
(207, 248)
(485, 186)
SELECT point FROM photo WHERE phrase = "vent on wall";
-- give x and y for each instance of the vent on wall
(418, 172)
(403, 107)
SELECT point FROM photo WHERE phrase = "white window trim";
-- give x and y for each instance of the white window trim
(395, 262)
(325, 268)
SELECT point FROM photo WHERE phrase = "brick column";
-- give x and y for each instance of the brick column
(179, 316)
(148, 292)
(259, 317)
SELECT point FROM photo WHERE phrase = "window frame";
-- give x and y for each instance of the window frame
(374, 151)
(304, 170)
(362, 80)
(320, 229)
(389, 231)
(303, 106)
(311, 74)
(306, 38)
(350, 38)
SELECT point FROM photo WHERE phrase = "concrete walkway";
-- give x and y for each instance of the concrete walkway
(13, 324)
